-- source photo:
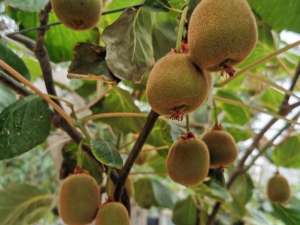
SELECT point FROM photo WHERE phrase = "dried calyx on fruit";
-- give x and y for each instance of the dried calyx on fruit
(221, 34)
(188, 160)
(278, 189)
(222, 147)
(176, 86)
(112, 213)
(79, 198)
(78, 14)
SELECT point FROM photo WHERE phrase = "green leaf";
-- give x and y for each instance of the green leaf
(28, 5)
(234, 114)
(8, 56)
(160, 134)
(129, 44)
(151, 192)
(287, 154)
(23, 125)
(21, 203)
(160, 5)
(7, 97)
(289, 216)
(281, 15)
(106, 153)
(119, 100)
(185, 212)
(241, 191)
(213, 190)
(272, 99)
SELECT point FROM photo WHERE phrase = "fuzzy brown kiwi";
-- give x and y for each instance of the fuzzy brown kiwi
(222, 148)
(278, 189)
(78, 14)
(188, 161)
(112, 213)
(110, 188)
(79, 197)
(175, 86)
(221, 34)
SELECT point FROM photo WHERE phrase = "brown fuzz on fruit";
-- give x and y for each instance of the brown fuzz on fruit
(221, 34)
(112, 213)
(278, 189)
(188, 161)
(79, 198)
(78, 14)
(175, 86)
(222, 147)
(110, 188)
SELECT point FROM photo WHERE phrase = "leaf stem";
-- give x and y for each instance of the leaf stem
(181, 29)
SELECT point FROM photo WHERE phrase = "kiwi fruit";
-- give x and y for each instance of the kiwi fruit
(175, 86)
(112, 213)
(78, 14)
(222, 148)
(110, 188)
(278, 189)
(188, 161)
(79, 198)
(221, 34)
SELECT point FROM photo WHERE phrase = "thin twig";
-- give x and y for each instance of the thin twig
(123, 174)
(13, 84)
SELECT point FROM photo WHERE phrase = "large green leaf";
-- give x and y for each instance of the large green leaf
(23, 203)
(241, 191)
(119, 100)
(129, 44)
(289, 216)
(213, 190)
(185, 212)
(106, 153)
(287, 154)
(7, 97)
(23, 125)
(28, 5)
(7, 55)
(280, 14)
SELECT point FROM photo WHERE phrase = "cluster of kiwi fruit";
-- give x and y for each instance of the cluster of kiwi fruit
(220, 35)
(190, 158)
(79, 203)
(78, 14)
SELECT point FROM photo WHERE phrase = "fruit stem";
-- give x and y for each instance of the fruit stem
(181, 30)
(187, 118)
(215, 112)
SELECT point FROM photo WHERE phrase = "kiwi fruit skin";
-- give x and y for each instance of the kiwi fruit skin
(110, 188)
(112, 213)
(278, 189)
(222, 148)
(78, 14)
(175, 83)
(188, 161)
(79, 198)
(221, 33)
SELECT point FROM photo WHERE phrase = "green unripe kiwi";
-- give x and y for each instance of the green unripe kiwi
(278, 189)
(188, 161)
(79, 198)
(78, 14)
(222, 148)
(112, 213)
(221, 33)
(175, 86)
(110, 188)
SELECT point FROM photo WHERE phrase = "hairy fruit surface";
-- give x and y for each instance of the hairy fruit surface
(78, 199)
(221, 34)
(112, 213)
(78, 14)
(278, 189)
(188, 161)
(222, 148)
(175, 86)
